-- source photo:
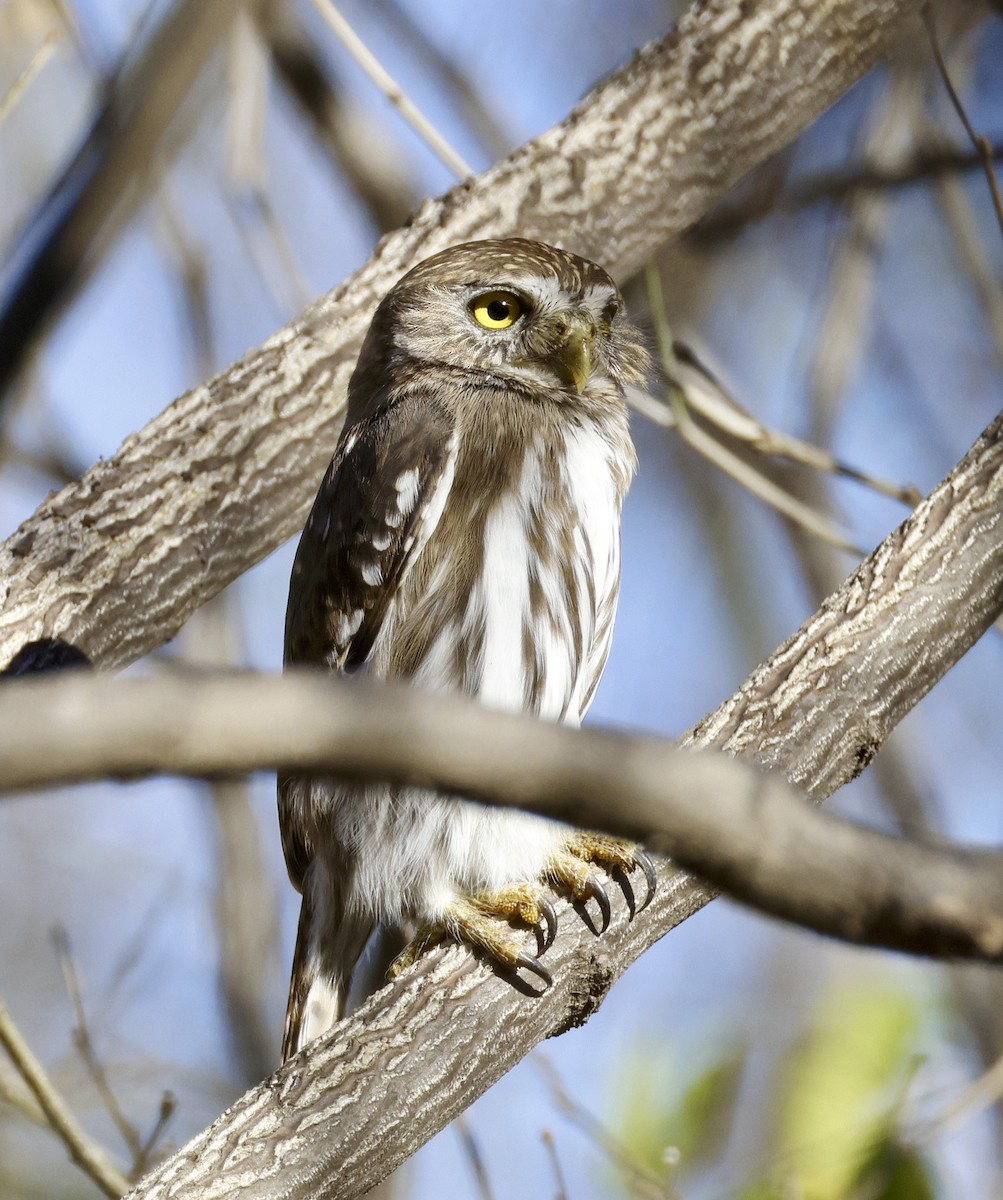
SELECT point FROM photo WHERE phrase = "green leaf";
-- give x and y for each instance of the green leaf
(839, 1091)
(896, 1172)
(652, 1116)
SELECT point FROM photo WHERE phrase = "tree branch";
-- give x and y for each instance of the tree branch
(116, 563)
(816, 712)
(110, 172)
(85, 1152)
(742, 830)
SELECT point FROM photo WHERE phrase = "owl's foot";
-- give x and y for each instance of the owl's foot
(477, 919)
(570, 868)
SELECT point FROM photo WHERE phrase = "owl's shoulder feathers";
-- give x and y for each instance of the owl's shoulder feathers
(380, 501)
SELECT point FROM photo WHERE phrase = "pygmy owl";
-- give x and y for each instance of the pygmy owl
(466, 537)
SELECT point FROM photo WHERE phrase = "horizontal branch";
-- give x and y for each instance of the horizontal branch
(835, 185)
(744, 831)
(116, 563)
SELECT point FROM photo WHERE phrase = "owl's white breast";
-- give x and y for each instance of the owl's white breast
(416, 850)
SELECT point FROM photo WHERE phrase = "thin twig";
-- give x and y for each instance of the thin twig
(638, 1178)
(168, 1107)
(710, 448)
(85, 1045)
(933, 162)
(83, 1150)
(548, 1144)
(14, 1093)
(473, 1153)
(391, 89)
(982, 144)
(269, 249)
(980, 1094)
(30, 73)
(244, 905)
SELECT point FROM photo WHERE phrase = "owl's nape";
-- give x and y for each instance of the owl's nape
(466, 538)
(483, 920)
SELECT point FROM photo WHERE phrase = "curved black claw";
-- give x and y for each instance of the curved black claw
(548, 917)
(651, 879)
(535, 967)
(595, 890)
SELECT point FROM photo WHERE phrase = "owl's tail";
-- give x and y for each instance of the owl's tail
(323, 960)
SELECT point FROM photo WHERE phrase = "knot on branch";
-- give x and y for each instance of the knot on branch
(591, 978)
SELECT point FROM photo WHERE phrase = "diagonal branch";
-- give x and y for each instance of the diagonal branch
(116, 563)
(112, 168)
(345, 1112)
(85, 1152)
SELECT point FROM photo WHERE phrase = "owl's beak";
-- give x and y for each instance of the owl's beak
(573, 357)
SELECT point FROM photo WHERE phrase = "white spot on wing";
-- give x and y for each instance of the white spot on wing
(407, 489)
(372, 573)
(436, 502)
(349, 625)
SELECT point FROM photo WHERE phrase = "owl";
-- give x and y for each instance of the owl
(466, 538)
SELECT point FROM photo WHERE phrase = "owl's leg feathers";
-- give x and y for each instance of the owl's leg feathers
(570, 866)
(477, 919)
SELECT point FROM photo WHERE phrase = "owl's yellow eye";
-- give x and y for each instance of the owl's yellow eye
(496, 310)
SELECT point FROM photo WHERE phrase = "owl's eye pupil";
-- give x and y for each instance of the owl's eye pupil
(499, 310)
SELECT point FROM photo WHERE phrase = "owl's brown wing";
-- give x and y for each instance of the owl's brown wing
(380, 501)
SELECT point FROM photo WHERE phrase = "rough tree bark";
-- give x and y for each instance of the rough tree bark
(116, 563)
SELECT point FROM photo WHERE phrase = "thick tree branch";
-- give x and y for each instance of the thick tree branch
(328, 1123)
(749, 833)
(117, 563)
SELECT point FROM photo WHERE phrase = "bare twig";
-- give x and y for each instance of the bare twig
(84, 1151)
(245, 904)
(141, 1149)
(474, 1156)
(548, 1144)
(14, 1093)
(85, 1047)
(982, 144)
(345, 131)
(31, 71)
(680, 385)
(391, 89)
(452, 79)
(846, 324)
(981, 1094)
(638, 1178)
(924, 163)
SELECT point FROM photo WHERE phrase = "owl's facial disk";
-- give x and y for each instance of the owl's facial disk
(515, 328)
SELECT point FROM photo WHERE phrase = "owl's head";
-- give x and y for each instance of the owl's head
(521, 311)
